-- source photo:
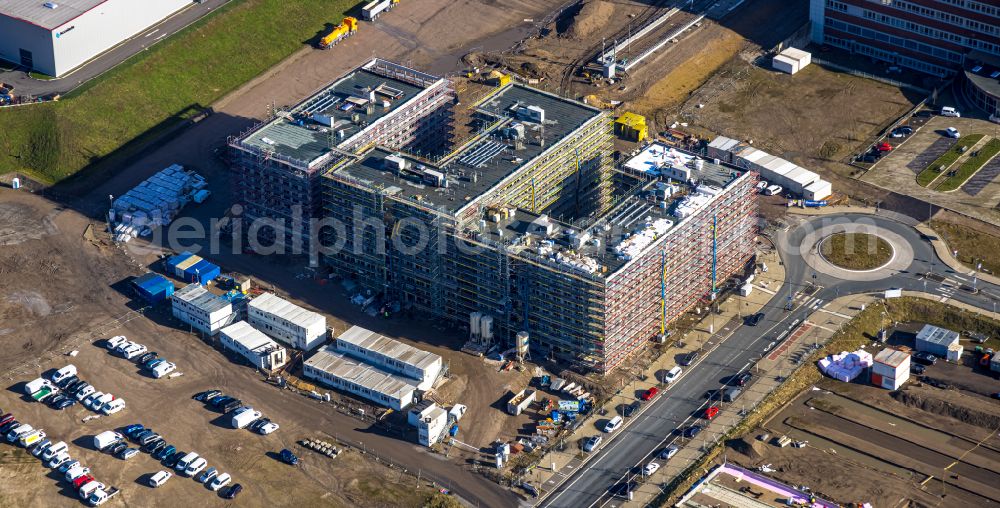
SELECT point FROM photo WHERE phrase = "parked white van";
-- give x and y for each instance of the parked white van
(37, 384)
(185, 461)
(773, 190)
(63, 373)
(950, 111)
(613, 424)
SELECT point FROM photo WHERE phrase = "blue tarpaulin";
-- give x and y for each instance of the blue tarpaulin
(153, 287)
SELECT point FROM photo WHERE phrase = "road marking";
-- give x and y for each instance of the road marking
(845, 316)
(161, 36)
(959, 277)
(768, 291)
(153, 32)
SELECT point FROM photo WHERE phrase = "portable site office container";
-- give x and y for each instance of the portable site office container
(154, 288)
(298, 327)
(890, 369)
(204, 311)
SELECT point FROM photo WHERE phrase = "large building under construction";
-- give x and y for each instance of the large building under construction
(528, 225)
(278, 164)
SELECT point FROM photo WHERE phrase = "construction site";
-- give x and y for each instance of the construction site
(525, 223)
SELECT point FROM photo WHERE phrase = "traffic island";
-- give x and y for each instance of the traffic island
(856, 251)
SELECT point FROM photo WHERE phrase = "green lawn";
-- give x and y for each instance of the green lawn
(925, 177)
(970, 166)
(160, 87)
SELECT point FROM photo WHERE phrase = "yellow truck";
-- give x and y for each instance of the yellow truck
(340, 32)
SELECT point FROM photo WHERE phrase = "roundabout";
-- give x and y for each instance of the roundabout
(883, 253)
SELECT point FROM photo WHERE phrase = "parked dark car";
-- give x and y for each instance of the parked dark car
(171, 461)
(153, 446)
(67, 382)
(689, 358)
(924, 358)
(918, 369)
(206, 395)
(69, 401)
(5, 428)
(75, 387)
(231, 405)
(288, 457)
(692, 431)
(116, 449)
(164, 452)
(148, 364)
(754, 319)
(233, 491)
(257, 424)
(148, 357)
(996, 395)
(623, 489)
(742, 378)
(219, 400)
(628, 410)
(55, 400)
(131, 430)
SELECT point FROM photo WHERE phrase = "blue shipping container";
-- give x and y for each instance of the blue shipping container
(202, 272)
(176, 260)
(153, 287)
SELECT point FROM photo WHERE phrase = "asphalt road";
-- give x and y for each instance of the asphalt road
(680, 404)
(26, 85)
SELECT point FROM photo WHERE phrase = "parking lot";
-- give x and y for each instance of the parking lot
(897, 171)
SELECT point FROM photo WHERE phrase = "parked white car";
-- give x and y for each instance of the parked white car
(672, 375)
(134, 351)
(269, 428)
(159, 478)
(195, 466)
(114, 342)
(58, 460)
(113, 406)
(76, 472)
(650, 468)
(220, 481)
(952, 132)
(92, 400)
(85, 392)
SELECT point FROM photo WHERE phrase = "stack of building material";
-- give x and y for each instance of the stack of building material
(157, 200)
(791, 60)
(846, 366)
(891, 369)
(650, 231)
(690, 205)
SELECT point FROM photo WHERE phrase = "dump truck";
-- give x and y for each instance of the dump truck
(345, 29)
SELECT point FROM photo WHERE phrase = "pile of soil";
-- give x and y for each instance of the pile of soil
(748, 446)
(948, 408)
(592, 16)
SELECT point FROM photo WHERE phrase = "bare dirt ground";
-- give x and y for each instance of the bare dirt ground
(887, 448)
(63, 292)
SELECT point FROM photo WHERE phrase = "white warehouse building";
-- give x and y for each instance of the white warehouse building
(204, 311)
(295, 326)
(59, 36)
(253, 345)
(773, 169)
(422, 366)
(335, 370)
